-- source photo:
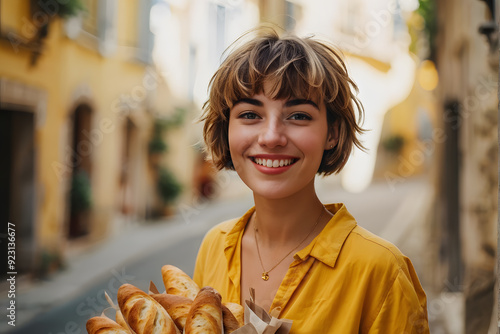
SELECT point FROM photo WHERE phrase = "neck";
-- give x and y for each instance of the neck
(286, 221)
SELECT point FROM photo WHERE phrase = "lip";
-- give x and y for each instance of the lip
(273, 170)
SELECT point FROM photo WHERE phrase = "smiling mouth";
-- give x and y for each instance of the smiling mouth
(274, 163)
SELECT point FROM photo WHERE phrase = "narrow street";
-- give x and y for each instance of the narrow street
(72, 315)
(374, 208)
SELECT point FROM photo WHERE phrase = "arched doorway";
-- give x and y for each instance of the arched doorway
(80, 192)
(129, 170)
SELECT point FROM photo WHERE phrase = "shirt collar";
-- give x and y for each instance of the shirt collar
(328, 243)
(325, 247)
(232, 246)
(233, 231)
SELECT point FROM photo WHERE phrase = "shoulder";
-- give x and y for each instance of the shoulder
(395, 290)
(374, 252)
(389, 274)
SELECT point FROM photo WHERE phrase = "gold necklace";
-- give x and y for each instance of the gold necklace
(265, 273)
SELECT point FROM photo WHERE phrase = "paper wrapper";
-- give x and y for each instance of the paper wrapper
(152, 288)
(258, 321)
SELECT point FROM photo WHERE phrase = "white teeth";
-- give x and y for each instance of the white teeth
(273, 163)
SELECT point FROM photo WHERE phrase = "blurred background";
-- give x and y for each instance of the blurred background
(104, 178)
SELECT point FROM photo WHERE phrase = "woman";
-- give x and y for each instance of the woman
(280, 111)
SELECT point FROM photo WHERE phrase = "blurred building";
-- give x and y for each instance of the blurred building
(464, 44)
(190, 39)
(78, 104)
(374, 37)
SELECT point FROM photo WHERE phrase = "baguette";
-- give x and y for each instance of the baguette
(237, 311)
(104, 325)
(229, 320)
(178, 282)
(177, 307)
(205, 315)
(142, 313)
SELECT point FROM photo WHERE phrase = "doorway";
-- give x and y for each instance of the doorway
(17, 186)
(80, 194)
(128, 192)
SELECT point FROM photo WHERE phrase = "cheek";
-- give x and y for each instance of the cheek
(312, 142)
(238, 140)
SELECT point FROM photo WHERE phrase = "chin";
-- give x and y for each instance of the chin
(272, 192)
(276, 187)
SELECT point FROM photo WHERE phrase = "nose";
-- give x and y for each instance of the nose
(272, 134)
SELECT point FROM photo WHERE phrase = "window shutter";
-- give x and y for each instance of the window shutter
(146, 37)
(107, 26)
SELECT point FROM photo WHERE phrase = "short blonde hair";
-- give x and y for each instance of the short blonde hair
(296, 68)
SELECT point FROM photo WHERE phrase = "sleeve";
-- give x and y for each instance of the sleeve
(404, 310)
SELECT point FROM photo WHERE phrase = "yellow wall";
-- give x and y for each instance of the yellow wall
(128, 22)
(402, 120)
(71, 73)
(13, 15)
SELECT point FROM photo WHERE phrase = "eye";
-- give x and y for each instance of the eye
(299, 116)
(248, 115)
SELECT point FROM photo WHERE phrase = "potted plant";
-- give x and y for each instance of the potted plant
(81, 202)
(168, 188)
(65, 9)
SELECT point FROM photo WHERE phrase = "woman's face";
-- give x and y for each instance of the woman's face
(277, 145)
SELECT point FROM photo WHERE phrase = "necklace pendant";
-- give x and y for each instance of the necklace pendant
(265, 276)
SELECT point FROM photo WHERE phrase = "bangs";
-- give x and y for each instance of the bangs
(283, 68)
(287, 65)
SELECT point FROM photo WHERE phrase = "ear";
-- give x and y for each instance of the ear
(333, 136)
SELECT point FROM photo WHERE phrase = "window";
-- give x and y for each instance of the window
(90, 17)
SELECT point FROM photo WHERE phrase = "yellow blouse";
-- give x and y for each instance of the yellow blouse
(347, 280)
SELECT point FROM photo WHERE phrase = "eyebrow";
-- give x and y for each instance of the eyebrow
(291, 103)
(297, 102)
(254, 102)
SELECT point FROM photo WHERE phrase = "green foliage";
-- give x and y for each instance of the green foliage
(61, 8)
(394, 143)
(69, 8)
(157, 144)
(172, 121)
(81, 192)
(168, 186)
(427, 9)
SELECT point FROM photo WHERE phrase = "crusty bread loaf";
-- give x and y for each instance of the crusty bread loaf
(104, 325)
(229, 320)
(144, 314)
(205, 315)
(178, 282)
(176, 306)
(238, 311)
